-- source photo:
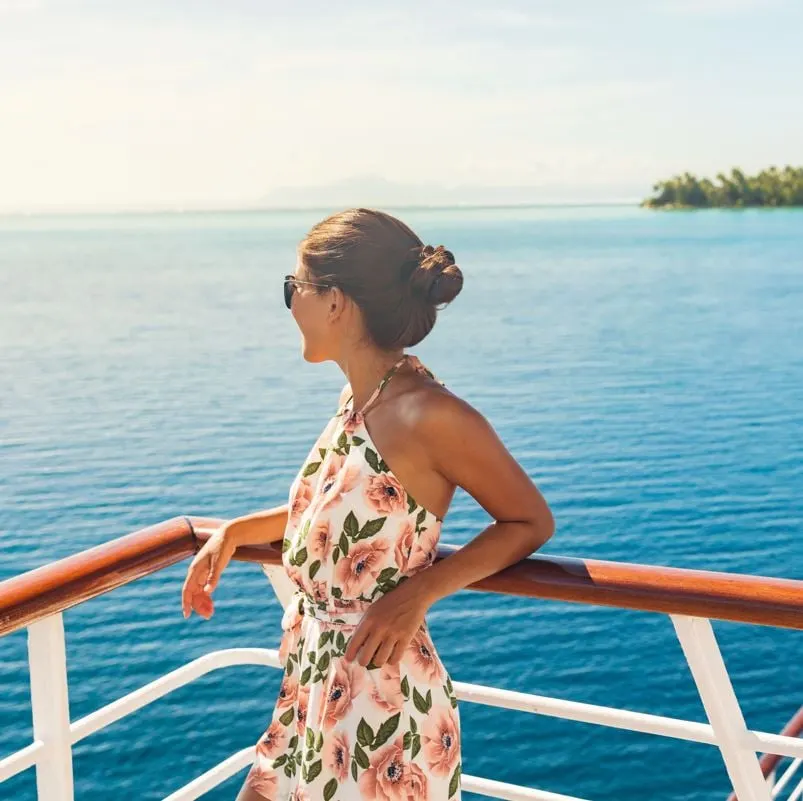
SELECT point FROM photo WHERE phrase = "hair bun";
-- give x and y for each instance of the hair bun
(436, 278)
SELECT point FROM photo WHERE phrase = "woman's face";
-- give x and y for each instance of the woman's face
(312, 310)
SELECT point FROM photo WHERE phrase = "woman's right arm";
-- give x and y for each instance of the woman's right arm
(203, 573)
(258, 528)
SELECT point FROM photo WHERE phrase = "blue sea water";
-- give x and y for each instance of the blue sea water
(645, 368)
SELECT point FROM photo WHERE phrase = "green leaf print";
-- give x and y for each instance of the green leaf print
(305, 676)
(413, 726)
(309, 737)
(360, 757)
(416, 745)
(324, 638)
(387, 574)
(372, 459)
(280, 760)
(405, 688)
(386, 730)
(383, 466)
(411, 504)
(329, 789)
(300, 557)
(421, 517)
(314, 770)
(370, 528)
(407, 741)
(343, 543)
(322, 451)
(311, 468)
(354, 769)
(365, 734)
(454, 782)
(287, 718)
(314, 568)
(350, 525)
(286, 544)
(319, 743)
(422, 704)
(324, 663)
(357, 440)
(341, 641)
(342, 440)
(335, 554)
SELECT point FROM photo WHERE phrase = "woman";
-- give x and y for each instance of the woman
(366, 708)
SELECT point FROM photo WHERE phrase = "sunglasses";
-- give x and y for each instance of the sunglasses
(290, 282)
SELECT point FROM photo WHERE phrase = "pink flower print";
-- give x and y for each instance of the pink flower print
(384, 493)
(404, 545)
(319, 591)
(387, 778)
(319, 540)
(425, 548)
(386, 692)
(360, 568)
(273, 741)
(301, 500)
(347, 680)
(287, 693)
(346, 482)
(263, 781)
(352, 421)
(421, 658)
(337, 755)
(303, 704)
(300, 794)
(419, 784)
(441, 740)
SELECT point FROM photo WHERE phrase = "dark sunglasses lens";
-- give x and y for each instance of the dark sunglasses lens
(289, 287)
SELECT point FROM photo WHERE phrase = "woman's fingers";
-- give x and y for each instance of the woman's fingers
(194, 584)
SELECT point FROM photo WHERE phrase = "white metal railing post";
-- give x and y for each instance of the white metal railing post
(47, 657)
(708, 669)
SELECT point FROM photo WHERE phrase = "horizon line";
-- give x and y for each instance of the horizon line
(102, 212)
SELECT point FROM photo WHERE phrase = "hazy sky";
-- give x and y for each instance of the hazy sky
(201, 102)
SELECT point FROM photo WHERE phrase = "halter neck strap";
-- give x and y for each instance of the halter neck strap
(381, 385)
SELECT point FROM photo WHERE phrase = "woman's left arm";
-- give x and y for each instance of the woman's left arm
(465, 450)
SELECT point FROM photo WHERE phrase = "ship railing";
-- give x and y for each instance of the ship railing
(36, 600)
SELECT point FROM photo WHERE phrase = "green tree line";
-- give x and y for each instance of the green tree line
(771, 187)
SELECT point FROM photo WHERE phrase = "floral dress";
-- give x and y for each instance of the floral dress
(341, 731)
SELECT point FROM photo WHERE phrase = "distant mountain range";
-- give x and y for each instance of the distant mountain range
(376, 191)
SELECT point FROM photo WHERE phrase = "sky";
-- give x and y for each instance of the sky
(209, 104)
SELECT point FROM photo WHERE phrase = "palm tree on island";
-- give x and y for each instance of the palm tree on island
(771, 188)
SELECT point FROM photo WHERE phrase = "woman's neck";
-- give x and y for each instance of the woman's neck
(364, 370)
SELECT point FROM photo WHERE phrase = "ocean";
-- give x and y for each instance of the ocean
(645, 368)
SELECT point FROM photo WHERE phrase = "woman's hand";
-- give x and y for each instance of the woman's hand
(204, 572)
(388, 626)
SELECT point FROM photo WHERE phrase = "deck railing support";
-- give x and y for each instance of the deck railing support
(708, 669)
(47, 659)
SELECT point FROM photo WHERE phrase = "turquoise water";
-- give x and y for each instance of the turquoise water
(645, 368)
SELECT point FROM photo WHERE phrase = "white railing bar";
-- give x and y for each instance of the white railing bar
(215, 776)
(708, 669)
(20, 760)
(797, 793)
(154, 690)
(511, 792)
(50, 708)
(586, 713)
(784, 780)
(781, 744)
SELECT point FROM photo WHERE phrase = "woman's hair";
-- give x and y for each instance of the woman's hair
(396, 280)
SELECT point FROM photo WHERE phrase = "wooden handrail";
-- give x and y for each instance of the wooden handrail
(724, 596)
(769, 762)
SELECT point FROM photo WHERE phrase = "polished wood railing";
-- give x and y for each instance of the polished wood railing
(691, 598)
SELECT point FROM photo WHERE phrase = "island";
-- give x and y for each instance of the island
(772, 187)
